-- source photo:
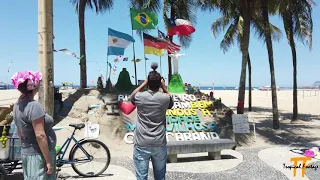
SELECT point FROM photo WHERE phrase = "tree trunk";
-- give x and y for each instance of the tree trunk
(268, 40)
(294, 62)
(295, 86)
(83, 64)
(250, 85)
(172, 15)
(244, 50)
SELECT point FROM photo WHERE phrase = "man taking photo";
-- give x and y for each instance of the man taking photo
(150, 133)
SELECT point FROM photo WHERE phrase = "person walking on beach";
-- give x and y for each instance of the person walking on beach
(34, 128)
(150, 133)
(211, 95)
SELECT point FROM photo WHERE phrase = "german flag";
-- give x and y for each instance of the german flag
(154, 45)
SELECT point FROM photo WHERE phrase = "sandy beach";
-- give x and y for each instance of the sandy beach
(301, 133)
(308, 100)
(304, 129)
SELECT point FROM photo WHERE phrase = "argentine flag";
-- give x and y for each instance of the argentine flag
(117, 42)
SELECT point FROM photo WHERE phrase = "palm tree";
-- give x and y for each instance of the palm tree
(173, 9)
(233, 33)
(100, 6)
(297, 21)
(234, 25)
(241, 9)
(268, 40)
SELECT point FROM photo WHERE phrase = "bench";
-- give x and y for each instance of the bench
(213, 147)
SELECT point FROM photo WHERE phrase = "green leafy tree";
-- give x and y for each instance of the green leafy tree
(100, 6)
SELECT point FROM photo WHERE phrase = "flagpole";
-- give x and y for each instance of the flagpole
(9, 66)
(107, 66)
(107, 78)
(145, 65)
(134, 54)
(160, 67)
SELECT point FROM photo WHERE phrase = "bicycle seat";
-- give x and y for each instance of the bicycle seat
(77, 126)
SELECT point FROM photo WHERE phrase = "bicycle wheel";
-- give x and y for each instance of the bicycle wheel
(3, 173)
(102, 159)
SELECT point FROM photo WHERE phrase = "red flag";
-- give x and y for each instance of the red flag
(173, 48)
(180, 27)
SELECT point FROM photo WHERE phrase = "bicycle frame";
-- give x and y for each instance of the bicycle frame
(65, 147)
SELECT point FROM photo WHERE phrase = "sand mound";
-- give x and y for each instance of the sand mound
(88, 105)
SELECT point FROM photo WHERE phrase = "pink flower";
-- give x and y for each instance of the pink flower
(33, 79)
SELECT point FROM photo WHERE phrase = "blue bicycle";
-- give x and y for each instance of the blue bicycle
(80, 155)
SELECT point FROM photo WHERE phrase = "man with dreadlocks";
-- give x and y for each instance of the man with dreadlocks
(150, 134)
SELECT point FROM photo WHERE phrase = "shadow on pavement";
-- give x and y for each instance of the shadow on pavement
(202, 158)
(291, 133)
(64, 176)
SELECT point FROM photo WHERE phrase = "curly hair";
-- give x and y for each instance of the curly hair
(23, 87)
(154, 78)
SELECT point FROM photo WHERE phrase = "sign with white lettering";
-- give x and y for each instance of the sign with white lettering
(240, 123)
(189, 119)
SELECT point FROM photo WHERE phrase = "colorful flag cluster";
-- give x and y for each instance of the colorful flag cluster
(172, 47)
(180, 27)
(143, 20)
(114, 69)
(118, 42)
(154, 45)
(66, 51)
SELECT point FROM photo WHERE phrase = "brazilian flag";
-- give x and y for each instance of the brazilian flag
(143, 20)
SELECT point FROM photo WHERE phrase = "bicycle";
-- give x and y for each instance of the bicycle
(79, 147)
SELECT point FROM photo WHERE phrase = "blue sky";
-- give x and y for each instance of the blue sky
(204, 61)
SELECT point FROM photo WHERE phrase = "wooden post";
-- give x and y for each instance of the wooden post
(45, 55)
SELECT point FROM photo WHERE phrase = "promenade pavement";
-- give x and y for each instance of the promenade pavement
(243, 164)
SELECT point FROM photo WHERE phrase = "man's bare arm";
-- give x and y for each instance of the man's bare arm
(138, 89)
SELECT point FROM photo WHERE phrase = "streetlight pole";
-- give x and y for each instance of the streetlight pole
(45, 54)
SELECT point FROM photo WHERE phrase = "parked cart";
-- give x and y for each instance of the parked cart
(13, 161)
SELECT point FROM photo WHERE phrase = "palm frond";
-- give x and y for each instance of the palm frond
(303, 23)
(220, 25)
(100, 6)
(276, 33)
(258, 26)
(185, 41)
(297, 18)
(76, 4)
(147, 5)
(229, 37)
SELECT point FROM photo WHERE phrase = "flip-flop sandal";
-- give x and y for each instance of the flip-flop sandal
(298, 151)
